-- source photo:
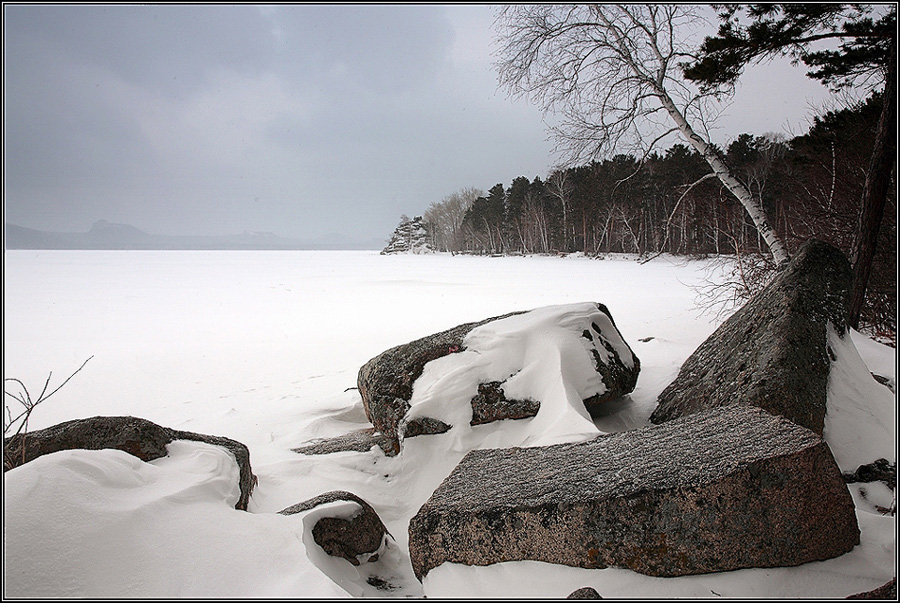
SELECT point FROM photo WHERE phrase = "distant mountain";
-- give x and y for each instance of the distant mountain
(107, 235)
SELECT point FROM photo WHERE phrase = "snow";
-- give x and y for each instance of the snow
(264, 347)
(105, 524)
(539, 355)
(860, 424)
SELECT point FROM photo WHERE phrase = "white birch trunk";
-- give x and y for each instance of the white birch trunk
(720, 169)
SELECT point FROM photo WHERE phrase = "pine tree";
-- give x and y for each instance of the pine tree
(867, 53)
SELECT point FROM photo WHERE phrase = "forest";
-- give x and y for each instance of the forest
(611, 72)
(668, 202)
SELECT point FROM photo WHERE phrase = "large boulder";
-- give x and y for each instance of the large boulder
(360, 536)
(772, 353)
(139, 437)
(386, 382)
(722, 490)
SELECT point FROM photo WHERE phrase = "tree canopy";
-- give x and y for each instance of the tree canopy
(864, 52)
(668, 202)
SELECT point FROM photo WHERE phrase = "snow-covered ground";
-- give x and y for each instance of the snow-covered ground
(264, 348)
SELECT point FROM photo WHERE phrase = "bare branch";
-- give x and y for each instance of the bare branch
(78, 370)
(24, 398)
(668, 225)
(609, 71)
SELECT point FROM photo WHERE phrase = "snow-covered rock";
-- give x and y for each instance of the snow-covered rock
(355, 536)
(348, 529)
(136, 436)
(558, 364)
(411, 236)
(103, 524)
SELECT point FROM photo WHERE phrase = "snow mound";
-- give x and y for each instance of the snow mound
(541, 355)
(163, 526)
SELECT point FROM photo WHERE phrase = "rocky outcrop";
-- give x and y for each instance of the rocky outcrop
(773, 352)
(136, 436)
(410, 236)
(386, 382)
(726, 489)
(358, 537)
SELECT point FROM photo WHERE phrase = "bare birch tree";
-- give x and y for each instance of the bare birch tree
(611, 74)
(445, 218)
(559, 186)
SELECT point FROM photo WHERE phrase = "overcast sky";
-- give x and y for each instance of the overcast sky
(301, 120)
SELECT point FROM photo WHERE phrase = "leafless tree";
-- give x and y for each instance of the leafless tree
(560, 187)
(611, 74)
(445, 218)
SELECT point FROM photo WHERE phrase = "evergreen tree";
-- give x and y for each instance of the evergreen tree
(867, 53)
(669, 203)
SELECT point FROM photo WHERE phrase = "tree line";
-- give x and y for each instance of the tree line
(620, 77)
(669, 202)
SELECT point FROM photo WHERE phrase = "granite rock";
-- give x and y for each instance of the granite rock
(773, 352)
(726, 489)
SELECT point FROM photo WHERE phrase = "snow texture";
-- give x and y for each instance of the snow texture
(539, 355)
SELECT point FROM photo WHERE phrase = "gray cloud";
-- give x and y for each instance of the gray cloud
(298, 119)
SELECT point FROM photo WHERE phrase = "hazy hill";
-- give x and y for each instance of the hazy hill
(107, 235)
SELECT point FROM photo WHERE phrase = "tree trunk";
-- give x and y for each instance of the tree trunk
(723, 173)
(878, 179)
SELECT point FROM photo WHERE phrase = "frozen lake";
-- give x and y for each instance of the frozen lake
(264, 348)
(204, 335)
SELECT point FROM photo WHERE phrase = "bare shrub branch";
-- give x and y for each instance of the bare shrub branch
(24, 398)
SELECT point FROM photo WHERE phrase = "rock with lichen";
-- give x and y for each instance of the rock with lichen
(773, 352)
(583, 336)
(726, 489)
